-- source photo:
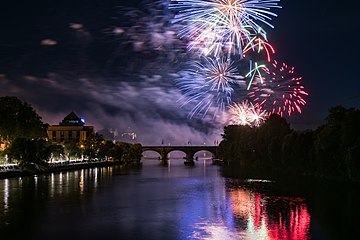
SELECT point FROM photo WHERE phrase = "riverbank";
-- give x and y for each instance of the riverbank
(62, 168)
(286, 175)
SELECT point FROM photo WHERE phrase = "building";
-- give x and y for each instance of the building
(71, 129)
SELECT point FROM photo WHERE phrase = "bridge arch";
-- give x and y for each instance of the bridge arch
(150, 154)
(188, 150)
(177, 152)
(204, 154)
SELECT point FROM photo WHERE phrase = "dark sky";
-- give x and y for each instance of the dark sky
(73, 55)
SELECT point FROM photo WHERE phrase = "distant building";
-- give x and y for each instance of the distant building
(71, 129)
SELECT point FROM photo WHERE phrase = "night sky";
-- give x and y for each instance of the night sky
(112, 63)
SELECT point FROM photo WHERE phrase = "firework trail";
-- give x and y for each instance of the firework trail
(281, 91)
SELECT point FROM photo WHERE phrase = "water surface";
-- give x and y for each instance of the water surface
(173, 202)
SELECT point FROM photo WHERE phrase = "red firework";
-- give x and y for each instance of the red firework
(281, 91)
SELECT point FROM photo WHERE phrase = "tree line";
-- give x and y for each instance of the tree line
(331, 151)
(23, 137)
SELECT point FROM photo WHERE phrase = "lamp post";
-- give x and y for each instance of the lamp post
(82, 152)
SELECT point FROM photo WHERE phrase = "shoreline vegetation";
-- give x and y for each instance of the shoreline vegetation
(332, 151)
(329, 153)
(24, 142)
(66, 167)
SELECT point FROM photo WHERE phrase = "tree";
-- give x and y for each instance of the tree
(117, 153)
(32, 154)
(92, 146)
(71, 149)
(106, 150)
(273, 133)
(57, 151)
(125, 147)
(331, 151)
(130, 153)
(19, 120)
(135, 152)
(328, 144)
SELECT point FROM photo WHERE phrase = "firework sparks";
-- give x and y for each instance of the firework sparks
(255, 73)
(257, 44)
(246, 114)
(208, 83)
(281, 91)
(233, 22)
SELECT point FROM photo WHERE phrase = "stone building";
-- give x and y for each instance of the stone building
(71, 129)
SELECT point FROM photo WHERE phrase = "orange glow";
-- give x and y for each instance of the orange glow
(241, 203)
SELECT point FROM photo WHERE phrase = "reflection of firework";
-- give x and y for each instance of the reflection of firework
(209, 83)
(230, 22)
(246, 114)
(281, 91)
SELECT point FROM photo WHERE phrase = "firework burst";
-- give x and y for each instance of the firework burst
(281, 91)
(246, 114)
(232, 22)
(209, 83)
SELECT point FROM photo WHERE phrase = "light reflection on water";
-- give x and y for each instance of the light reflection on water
(250, 210)
(154, 202)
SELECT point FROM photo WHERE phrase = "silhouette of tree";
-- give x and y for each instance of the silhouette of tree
(31, 154)
(331, 151)
(92, 146)
(57, 151)
(72, 149)
(19, 120)
(135, 152)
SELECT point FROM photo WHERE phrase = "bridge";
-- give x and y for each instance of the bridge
(190, 151)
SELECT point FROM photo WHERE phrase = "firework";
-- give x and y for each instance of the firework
(257, 44)
(209, 83)
(281, 91)
(255, 73)
(246, 114)
(232, 22)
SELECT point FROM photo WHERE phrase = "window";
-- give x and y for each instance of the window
(61, 136)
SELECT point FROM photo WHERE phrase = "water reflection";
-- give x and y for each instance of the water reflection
(172, 202)
(6, 194)
(52, 186)
(258, 216)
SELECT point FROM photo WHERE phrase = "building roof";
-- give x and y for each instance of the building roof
(72, 120)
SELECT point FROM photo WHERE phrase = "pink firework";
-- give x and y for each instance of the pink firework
(281, 91)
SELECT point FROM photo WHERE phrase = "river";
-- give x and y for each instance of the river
(173, 202)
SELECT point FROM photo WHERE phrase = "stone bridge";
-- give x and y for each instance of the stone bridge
(190, 151)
